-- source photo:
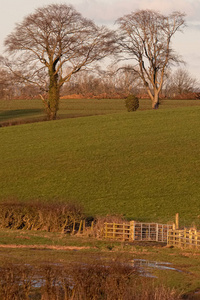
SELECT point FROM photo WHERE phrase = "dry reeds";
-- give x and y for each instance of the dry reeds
(15, 282)
(112, 281)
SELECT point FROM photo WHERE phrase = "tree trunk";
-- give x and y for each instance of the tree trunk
(155, 101)
(53, 96)
(154, 97)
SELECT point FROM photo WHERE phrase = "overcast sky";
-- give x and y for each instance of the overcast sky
(187, 44)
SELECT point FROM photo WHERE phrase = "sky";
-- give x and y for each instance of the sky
(187, 44)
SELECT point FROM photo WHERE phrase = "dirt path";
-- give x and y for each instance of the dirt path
(44, 247)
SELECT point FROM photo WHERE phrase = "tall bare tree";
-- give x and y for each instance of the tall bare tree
(51, 45)
(145, 36)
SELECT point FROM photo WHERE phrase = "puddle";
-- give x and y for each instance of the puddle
(147, 266)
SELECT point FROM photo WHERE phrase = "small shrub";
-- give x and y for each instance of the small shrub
(132, 103)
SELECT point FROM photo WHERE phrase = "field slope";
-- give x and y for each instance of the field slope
(144, 165)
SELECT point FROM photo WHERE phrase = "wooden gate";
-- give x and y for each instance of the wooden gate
(135, 231)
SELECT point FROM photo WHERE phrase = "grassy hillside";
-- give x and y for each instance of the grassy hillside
(32, 110)
(144, 165)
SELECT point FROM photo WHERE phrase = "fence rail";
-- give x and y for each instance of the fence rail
(184, 238)
(134, 231)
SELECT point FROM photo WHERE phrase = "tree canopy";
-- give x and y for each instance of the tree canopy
(145, 36)
(55, 42)
(51, 45)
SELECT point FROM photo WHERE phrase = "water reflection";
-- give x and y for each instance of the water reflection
(146, 267)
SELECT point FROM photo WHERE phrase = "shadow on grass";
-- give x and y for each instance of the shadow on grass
(18, 113)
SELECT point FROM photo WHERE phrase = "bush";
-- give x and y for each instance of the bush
(52, 217)
(132, 103)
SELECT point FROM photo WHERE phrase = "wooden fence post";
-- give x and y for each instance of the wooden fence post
(83, 226)
(80, 226)
(177, 221)
(149, 233)
(162, 233)
(174, 238)
(179, 239)
(157, 232)
(190, 237)
(168, 237)
(185, 237)
(113, 230)
(123, 235)
(105, 229)
(132, 231)
(92, 226)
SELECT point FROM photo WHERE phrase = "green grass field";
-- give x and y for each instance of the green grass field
(32, 110)
(143, 165)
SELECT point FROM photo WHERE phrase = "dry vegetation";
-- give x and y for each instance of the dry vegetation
(113, 281)
(54, 217)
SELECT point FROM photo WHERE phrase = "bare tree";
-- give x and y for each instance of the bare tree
(129, 82)
(6, 81)
(181, 82)
(112, 82)
(145, 36)
(51, 45)
(4, 85)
